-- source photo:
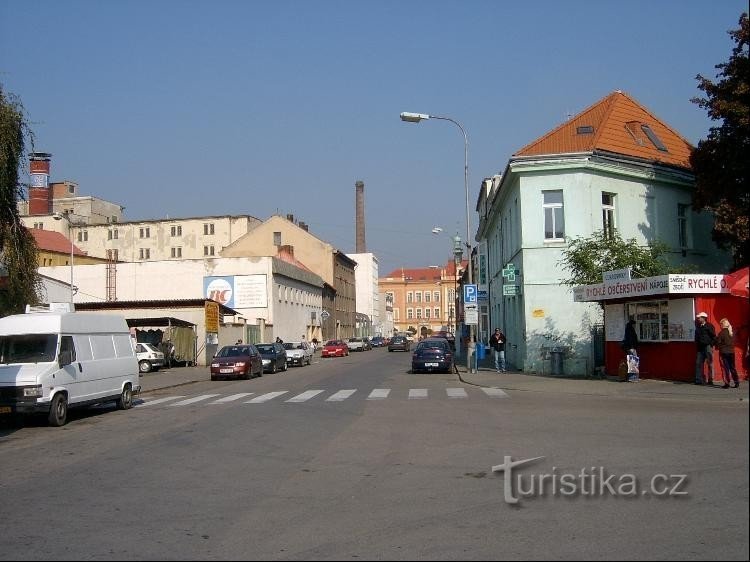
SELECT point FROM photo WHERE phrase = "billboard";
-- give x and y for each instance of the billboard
(237, 291)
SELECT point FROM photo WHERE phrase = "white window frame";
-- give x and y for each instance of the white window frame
(609, 224)
(551, 211)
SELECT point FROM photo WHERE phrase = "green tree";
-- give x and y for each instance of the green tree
(720, 162)
(18, 252)
(587, 258)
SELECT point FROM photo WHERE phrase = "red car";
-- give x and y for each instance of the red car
(335, 348)
(237, 361)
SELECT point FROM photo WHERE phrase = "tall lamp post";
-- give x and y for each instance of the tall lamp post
(416, 118)
(58, 217)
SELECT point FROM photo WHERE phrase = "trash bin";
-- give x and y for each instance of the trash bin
(556, 358)
(480, 351)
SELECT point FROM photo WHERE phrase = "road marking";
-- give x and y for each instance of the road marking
(194, 400)
(158, 401)
(232, 398)
(340, 395)
(379, 394)
(266, 397)
(417, 393)
(456, 393)
(495, 393)
(305, 396)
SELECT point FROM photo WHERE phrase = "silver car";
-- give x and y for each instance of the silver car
(356, 344)
(298, 353)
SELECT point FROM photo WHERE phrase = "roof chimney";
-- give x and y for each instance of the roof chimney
(290, 217)
(40, 195)
(361, 247)
(303, 226)
(286, 250)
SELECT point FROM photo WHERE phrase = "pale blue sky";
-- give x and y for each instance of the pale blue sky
(197, 108)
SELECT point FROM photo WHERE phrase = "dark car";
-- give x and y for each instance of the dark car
(448, 336)
(273, 355)
(237, 361)
(432, 354)
(378, 341)
(399, 343)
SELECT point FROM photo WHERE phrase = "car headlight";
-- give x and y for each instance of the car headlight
(32, 391)
(215, 365)
(240, 364)
(266, 361)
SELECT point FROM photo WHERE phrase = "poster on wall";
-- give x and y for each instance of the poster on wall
(237, 291)
(614, 324)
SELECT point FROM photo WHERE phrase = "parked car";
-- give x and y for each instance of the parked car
(368, 344)
(399, 343)
(237, 361)
(273, 356)
(335, 348)
(356, 344)
(378, 341)
(298, 353)
(432, 354)
(448, 336)
(149, 357)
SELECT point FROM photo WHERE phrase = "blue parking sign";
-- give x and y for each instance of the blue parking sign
(470, 293)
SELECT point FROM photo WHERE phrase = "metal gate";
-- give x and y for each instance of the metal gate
(597, 339)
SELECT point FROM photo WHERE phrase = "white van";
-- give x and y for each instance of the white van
(54, 359)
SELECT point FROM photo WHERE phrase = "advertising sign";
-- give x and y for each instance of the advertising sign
(212, 317)
(237, 291)
(471, 314)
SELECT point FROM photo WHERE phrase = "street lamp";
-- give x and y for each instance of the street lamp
(58, 217)
(416, 118)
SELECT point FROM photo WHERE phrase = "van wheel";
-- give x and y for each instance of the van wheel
(144, 366)
(125, 402)
(58, 412)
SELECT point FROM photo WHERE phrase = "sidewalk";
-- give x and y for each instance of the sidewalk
(530, 382)
(174, 377)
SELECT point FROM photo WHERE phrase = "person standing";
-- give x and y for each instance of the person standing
(497, 343)
(725, 344)
(630, 341)
(705, 338)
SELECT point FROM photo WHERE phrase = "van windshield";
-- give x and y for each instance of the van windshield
(28, 348)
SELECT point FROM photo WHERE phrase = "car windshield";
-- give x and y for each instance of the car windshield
(354, 339)
(431, 345)
(28, 348)
(234, 351)
(265, 347)
(333, 342)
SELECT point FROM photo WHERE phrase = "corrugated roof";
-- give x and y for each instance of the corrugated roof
(615, 124)
(51, 241)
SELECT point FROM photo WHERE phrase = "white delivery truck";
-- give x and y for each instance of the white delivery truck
(56, 358)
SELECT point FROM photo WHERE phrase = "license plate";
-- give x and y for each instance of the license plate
(432, 364)
(226, 370)
(6, 410)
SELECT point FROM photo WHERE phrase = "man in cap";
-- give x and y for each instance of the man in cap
(705, 337)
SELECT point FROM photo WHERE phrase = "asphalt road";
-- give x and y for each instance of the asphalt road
(399, 469)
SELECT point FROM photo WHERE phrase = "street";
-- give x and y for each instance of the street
(356, 458)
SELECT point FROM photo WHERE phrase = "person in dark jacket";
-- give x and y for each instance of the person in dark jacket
(497, 343)
(725, 343)
(630, 341)
(705, 339)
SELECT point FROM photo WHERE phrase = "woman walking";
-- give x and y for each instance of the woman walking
(725, 343)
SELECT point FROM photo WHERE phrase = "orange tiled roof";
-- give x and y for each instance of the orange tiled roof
(50, 241)
(614, 124)
(424, 273)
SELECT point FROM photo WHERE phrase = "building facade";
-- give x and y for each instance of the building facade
(368, 296)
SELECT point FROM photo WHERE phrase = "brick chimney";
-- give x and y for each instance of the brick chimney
(361, 247)
(286, 251)
(40, 195)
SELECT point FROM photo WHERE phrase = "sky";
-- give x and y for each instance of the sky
(178, 109)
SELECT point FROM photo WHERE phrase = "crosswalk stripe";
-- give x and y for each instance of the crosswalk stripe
(456, 393)
(417, 393)
(158, 401)
(232, 398)
(305, 396)
(194, 400)
(340, 395)
(266, 397)
(379, 394)
(495, 392)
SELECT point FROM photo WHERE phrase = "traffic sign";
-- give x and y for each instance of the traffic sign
(470, 293)
(471, 314)
(325, 315)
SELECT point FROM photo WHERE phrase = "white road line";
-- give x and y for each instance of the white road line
(495, 393)
(232, 398)
(194, 400)
(341, 395)
(456, 393)
(158, 401)
(379, 394)
(305, 396)
(266, 397)
(417, 393)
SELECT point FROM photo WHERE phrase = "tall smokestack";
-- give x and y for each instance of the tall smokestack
(360, 219)
(40, 200)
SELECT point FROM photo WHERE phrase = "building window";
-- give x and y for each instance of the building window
(427, 312)
(554, 221)
(409, 297)
(427, 296)
(177, 252)
(112, 234)
(145, 232)
(410, 314)
(145, 253)
(114, 219)
(437, 313)
(277, 238)
(83, 235)
(608, 215)
(208, 250)
(682, 224)
(419, 314)
(651, 319)
(39, 225)
(419, 296)
(176, 230)
(436, 296)
(208, 228)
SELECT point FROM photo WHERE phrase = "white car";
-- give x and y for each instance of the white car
(149, 358)
(356, 344)
(298, 353)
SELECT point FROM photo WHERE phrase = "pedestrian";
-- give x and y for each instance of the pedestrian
(239, 342)
(169, 355)
(725, 344)
(279, 340)
(497, 343)
(630, 341)
(705, 338)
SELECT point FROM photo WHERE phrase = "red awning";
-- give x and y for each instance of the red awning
(737, 282)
